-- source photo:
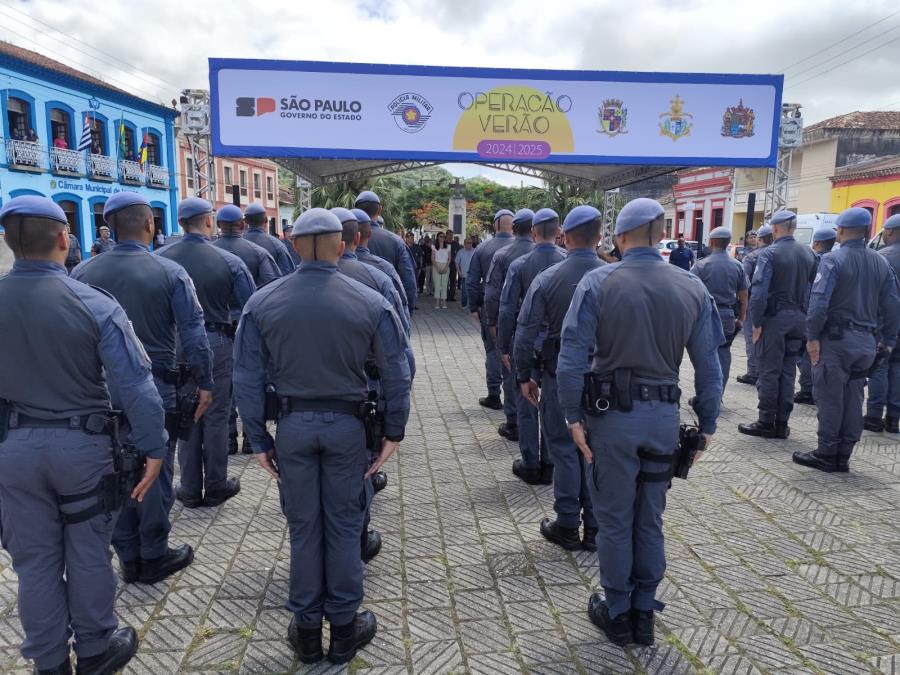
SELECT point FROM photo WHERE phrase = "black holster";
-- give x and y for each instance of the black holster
(371, 412)
(272, 403)
(186, 407)
(599, 395)
(690, 442)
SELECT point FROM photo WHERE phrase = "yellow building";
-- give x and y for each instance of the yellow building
(873, 185)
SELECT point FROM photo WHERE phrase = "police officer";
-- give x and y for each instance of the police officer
(823, 242)
(630, 446)
(854, 309)
(749, 262)
(104, 243)
(158, 297)
(385, 244)
(475, 282)
(543, 311)
(749, 245)
(532, 467)
(223, 283)
(780, 293)
(726, 282)
(522, 244)
(884, 383)
(56, 442)
(364, 224)
(255, 217)
(314, 330)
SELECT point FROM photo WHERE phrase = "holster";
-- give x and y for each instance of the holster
(834, 331)
(230, 330)
(186, 407)
(690, 442)
(373, 420)
(599, 395)
(622, 381)
(272, 403)
(5, 409)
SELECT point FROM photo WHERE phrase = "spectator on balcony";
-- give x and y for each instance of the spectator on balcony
(104, 243)
(60, 140)
(32, 136)
(96, 148)
(129, 155)
(18, 134)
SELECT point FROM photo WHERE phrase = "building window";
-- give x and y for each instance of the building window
(61, 129)
(894, 210)
(189, 172)
(270, 189)
(98, 220)
(717, 215)
(153, 153)
(71, 211)
(257, 186)
(98, 136)
(159, 218)
(229, 180)
(126, 144)
(19, 116)
(243, 175)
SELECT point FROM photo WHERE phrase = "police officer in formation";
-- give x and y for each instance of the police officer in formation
(778, 301)
(364, 255)
(749, 245)
(629, 432)
(385, 244)
(726, 282)
(56, 442)
(884, 383)
(533, 467)
(158, 297)
(223, 283)
(255, 217)
(319, 454)
(540, 324)
(475, 291)
(854, 311)
(823, 241)
(763, 239)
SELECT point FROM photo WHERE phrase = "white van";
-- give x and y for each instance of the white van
(809, 223)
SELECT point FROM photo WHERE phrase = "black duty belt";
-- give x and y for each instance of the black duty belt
(728, 307)
(176, 376)
(291, 404)
(96, 423)
(216, 327)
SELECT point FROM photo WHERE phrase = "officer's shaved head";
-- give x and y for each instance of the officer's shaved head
(131, 222)
(504, 223)
(547, 230)
(584, 236)
(645, 235)
(231, 226)
(33, 238)
(351, 232)
(256, 220)
(196, 224)
(365, 232)
(322, 247)
(371, 208)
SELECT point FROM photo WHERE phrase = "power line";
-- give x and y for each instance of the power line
(845, 52)
(851, 60)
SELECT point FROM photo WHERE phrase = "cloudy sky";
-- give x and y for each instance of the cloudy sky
(837, 56)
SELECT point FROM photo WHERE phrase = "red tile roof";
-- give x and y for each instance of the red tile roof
(873, 168)
(888, 120)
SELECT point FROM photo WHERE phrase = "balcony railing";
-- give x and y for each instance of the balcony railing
(102, 167)
(67, 161)
(157, 176)
(26, 155)
(130, 171)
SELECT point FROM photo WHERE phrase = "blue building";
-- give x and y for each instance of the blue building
(45, 107)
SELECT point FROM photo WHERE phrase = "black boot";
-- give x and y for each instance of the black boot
(530, 476)
(589, 540)
(892, 425)
(189, 501)
(546, 474)
(618, 630)
(804, 397)
(843, 464)
(345, 640)
(371, 545)
(230, 489)
(123, 645)
(379, 481)
(509, 431)
(491, 401)
(130, 571)
(746, 379)
(763, 429)
(873, 424)
(814, 461)
(232, 444)
(642, 625)
(245, 446)
(64, 668)
(307, 642)
(566, 537)
(156, 569)
(782, 430)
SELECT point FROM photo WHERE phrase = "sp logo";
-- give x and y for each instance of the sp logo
(246, 106)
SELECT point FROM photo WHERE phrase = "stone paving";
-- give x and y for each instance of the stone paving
(771, 567)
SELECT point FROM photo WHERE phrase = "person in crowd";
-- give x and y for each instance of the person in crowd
(415, 250)
(256, 218)
(463, 260)
(453, 281)
(682, 256)
(104, 243)
(440, 269)
(428, 281)
(763, 239)
(60, 140)
(74, 255)
(823, 241)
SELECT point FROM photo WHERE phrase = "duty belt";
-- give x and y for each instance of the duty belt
(291, 404)
(95, 423)
(177, 376)
(216, 327)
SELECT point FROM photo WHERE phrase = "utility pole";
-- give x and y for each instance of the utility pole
(790, 136)
(195, 125)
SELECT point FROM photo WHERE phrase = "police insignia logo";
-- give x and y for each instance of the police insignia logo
(676, 123)
(737, 122)
(411, 112)
(818, 278)
(613, 116)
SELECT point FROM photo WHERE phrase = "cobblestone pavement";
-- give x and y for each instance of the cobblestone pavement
(771, 567)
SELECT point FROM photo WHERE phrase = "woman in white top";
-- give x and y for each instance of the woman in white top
(440, 270)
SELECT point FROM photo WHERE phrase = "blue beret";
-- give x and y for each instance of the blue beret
(343, 214)
(854, 217)
(122, 200)
(544, 215)
(580, 215)
(32, 205)
(720, 233)
(229, 214)
(782, 217)
(193, 206)
(765, 231)
(366, 196)
(636, 213)
(361, 216)
(316, 221)
(825, 234)
(501, 213)
(892, 223)
(751, 233)
(255, 209)
(523, 216)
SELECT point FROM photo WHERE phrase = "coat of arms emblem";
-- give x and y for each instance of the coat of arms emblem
(613, 115)
(676, 123)
(737, 122)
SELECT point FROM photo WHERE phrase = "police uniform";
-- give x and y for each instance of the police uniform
(884, 383)
(854, 307)
(387, 245)
(742, 251)
(223, 283)
(364, 255)
(540, 324)
(475, 288)
(157, 296)
(258, 260)
(278, 249)
(726, 281)
(319, 371)
(780, 293)
(521, 271)
(660, 310)
(102, 245)
(749, 263)
(804, 367)
(56, 447)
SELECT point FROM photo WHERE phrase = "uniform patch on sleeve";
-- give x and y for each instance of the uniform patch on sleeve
(818, 278)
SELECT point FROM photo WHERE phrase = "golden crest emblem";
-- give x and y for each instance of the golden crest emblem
(737, 122)
(676, 123)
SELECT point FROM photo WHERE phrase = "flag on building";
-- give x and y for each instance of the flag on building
(144, 146)
(85, 142)
(123, 141)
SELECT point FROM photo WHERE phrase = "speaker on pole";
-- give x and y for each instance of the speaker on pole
(751, 207)
(236, 195)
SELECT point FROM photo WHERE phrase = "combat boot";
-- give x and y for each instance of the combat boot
(232, 444)
(154, 570)
(509, 431)
(345, 640)
(843, 464)
(123, 645)
(589, 540)
(64, 668)
(379, 481)
(307, 642)
(491, 401)
(371, 545)
(530, 476)
(617, 630)
(746, 379)
(546, 474)
(230, 489)
(566, 537)
(892, 425)
(873, 424)
(804, 397)
(814, 461)
(782, 430)
(246, 447)
(188, 500)
(762, 429)
(130, 571)
(642, 625)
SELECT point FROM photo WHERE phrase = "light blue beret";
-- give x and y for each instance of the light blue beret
(255, 209)
(122, 200)
(580, 215)
(782, 217)
(501, 213)
(825, 234)
(361, 216)
(366, 196)
(193, 206)
(32, 205)
(765, 231)
(343, 214)
(229, 214)
(543, 215)
(751, 233)
(854, 217)
(523, 216)
(892, 223)
(720, 233)
(636, 213)
(316, 221)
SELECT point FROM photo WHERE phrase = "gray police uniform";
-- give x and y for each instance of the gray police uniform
(364, 255)
(385, 244)
(660, 309)
(854, 301)
(66, 581)
(222, 281)
(780, 293)
(369, 275)
(274, 246)
(543, 311)
(804, 365)
(157, 295)
(884, 384)
(259, 262)
(475, 288)
(319, 369)
(749, 263)
(723, 278)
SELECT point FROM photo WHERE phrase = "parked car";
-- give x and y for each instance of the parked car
(666, 246)
(876, 242)
(809, 223)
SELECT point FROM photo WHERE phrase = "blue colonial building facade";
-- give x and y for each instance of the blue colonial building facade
(45, 106)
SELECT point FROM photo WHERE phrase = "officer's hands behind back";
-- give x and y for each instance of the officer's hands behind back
(151, 472)
(579, 435)
(267, 461)
(204, 400)
(388, 448)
